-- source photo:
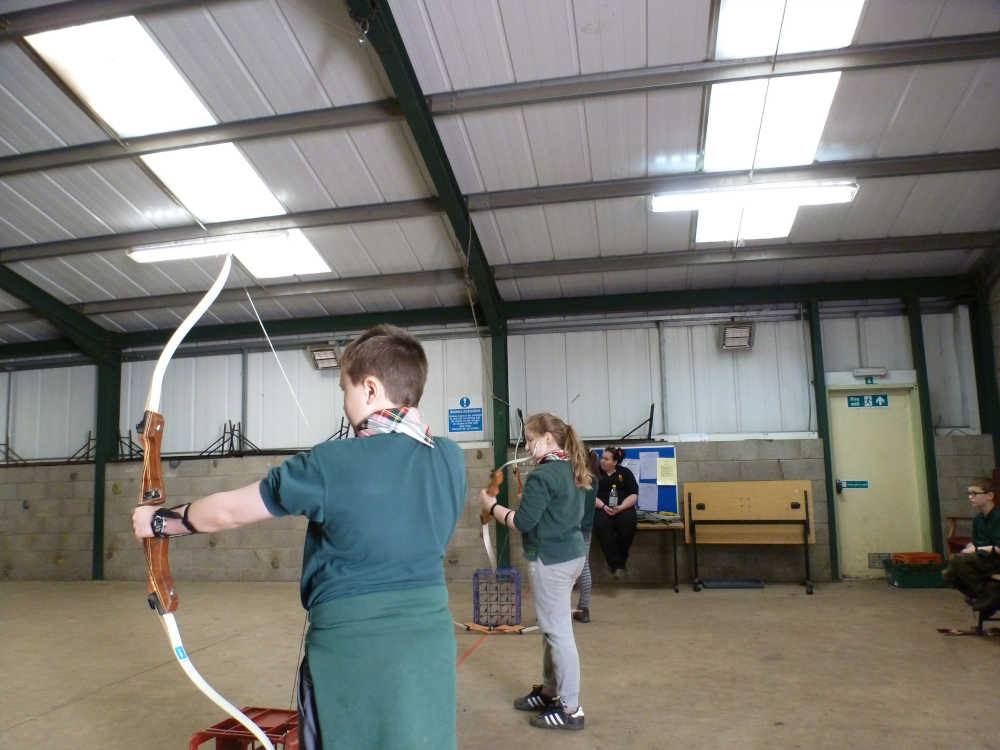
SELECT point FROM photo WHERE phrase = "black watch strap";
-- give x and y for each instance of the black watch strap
(159, 521)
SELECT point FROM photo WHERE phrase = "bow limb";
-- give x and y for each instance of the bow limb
(162, 594)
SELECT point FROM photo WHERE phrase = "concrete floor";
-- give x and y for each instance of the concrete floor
(858, 665)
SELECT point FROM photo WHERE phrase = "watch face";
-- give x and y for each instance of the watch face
(157, 525)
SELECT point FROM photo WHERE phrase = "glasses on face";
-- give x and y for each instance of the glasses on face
(973, 493)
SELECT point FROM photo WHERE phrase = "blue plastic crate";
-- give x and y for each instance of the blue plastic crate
(496, 597)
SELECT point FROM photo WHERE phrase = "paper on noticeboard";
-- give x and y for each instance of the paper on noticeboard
(632, 465)
(647, 465)
(666, 471)
(648, 496)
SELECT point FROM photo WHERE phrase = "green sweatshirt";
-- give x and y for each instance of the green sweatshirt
(381, 512)
(986, 528)
(550, 514)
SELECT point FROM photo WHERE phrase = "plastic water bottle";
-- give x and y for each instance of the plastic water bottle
(613, 498)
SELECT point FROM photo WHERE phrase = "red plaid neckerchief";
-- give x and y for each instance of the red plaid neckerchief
(554, 456)
(404, 419)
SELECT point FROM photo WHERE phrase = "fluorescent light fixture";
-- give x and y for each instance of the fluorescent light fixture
(215, 182)
(121, 73)
(266, 255)
(757, 195)
(749, 28)
(870, 372)
(736, 336)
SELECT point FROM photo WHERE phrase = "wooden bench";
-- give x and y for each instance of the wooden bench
(774, 512)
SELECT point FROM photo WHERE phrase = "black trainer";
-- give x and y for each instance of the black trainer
(535, 701)
(582, 614)
(559, 719)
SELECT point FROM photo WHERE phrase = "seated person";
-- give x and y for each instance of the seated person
(970, 570)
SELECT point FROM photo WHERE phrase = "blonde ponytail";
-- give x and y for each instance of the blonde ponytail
(566, 438)
(578, 457)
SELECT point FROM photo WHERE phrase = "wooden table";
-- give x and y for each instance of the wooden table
(674, 526)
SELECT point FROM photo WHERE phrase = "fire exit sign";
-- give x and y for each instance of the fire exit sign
(873, 400)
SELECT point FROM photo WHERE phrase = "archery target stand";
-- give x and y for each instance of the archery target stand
(496, 601)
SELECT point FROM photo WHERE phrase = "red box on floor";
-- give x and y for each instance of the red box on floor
(280, 725)
(916, 558)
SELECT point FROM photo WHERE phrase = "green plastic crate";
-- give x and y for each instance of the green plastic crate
(906, 576)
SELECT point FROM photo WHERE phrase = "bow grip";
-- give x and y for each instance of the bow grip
(493, 489)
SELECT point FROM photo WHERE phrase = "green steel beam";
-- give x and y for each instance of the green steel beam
(376, 21)
(501, 435)
(946, 286)
(912, 303)
(109, 380)
(27, 349)
(299, 326)
(823, 429)
(985, 363)
(87, 336)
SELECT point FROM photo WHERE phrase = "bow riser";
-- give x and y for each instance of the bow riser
(162, 593)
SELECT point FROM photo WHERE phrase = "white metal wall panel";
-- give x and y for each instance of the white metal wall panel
(541, 38)
(602, 382)
(616, 129)
(634, 375)
(558, 132)
(680, 407)
(794, 362)
(200, 395)
(590, 379)
(274, 421)
(52, 411)
(950, 370)
(932, 96)
(466, 376)
(545, 374)
(890, 20)
(708, 390)
(715, 382)
(677, 31)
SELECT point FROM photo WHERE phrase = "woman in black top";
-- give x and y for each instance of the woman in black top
(615, 525)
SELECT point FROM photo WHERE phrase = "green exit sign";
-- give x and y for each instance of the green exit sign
(869, 401)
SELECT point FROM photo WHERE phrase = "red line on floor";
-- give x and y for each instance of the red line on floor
(468, 653)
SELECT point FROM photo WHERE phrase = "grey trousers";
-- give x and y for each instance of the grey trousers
(552, 586)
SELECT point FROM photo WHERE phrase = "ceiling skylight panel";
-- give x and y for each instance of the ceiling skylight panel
(762, 222)
(733, 120)
(718, 224)
(749, 28)
(215, 182)
(794, 118)
(818, 24)
(120, 72)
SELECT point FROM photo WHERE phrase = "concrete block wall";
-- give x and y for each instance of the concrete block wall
(46, 522)
(46, 517)
(261, 552)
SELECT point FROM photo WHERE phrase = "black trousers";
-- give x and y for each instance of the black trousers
(970, 574)
(615, 534)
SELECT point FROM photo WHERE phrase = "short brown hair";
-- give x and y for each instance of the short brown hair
(393, 356)
(983, 483)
